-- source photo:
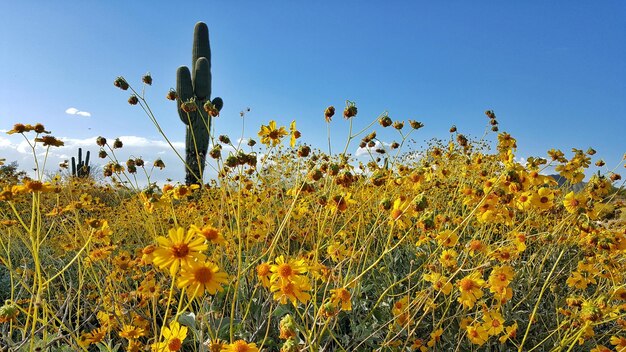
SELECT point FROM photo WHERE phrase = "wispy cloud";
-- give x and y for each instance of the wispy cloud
(74, 111)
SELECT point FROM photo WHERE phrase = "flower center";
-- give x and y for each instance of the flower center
(284, 270)
(544, 199)
(203, 275)
(175, 344)
(288, 289)
(210, 234)
(467, 284)
(180, 250)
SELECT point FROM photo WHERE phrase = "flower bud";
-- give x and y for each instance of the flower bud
(171, 95)
(147, 79)
(121, 83)
(101, 141)
(329, 112)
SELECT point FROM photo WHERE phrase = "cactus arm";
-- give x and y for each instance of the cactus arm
(184, 88)
(73, 166)
(218, 103)
(202, 79)
(201, 46)
(87, 159)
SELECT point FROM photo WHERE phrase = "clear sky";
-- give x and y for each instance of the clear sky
(554, 72)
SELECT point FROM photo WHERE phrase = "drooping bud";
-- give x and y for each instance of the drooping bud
(121, 83)
(101, 141)
(328, 113)
(171, 95)
(147, 79)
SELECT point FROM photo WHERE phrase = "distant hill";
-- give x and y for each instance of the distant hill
(562, 180)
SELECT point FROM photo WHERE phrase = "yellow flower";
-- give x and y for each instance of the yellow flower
(240, 346)
(263, 274)
(174, 336)
(448, 258)
(131, 332)
(573, 202)
(447, 238)
(493, 323)
(435, 337)
(523, 201)
(477, 334)
(511, 332)
(286, 271)
(292, 290)
(501, 276)
(471, 289)
(577, 280)
(270, 134)
(440, 282)
(543, 198)
(32, 186)
(178, 248)
(50, 141)
(338, 251)
(341, 295)
(619, 342)
(295, 134)
(210, 233)
(198, 278)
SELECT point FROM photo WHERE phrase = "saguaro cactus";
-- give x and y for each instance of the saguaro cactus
(82, 169)
(194, 93)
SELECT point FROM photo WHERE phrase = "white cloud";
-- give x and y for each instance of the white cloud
(74, 111)
(5, 143)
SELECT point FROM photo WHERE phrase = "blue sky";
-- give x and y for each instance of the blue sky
(553, 71)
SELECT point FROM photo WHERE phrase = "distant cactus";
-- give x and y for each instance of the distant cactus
(83, 168)
(195, 107)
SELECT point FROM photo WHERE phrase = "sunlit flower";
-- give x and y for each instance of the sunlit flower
(619, 342)
(293, 290)
(573, 202)
(179, 247)
(263, 274)
(501, 276)
(210, 233)
(435, 337)
(294, 133)
(240, 346)
(132, 332)
(199, 277)
(174, 336)
(440, 282)
(270, 135)
(447, 238)
(341, 296)
(493, 322)
(471, 289)
(477, 334)
(543, 199)
(448, 258)
(287, 270)
(510, 333)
